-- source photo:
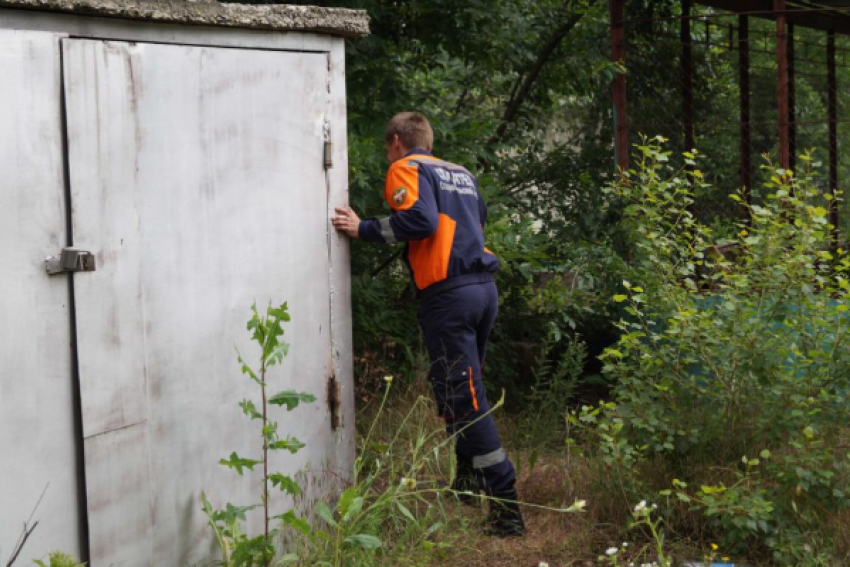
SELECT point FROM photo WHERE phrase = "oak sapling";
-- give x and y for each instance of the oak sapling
(238, 548)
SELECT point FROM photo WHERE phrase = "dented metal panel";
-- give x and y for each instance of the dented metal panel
(37, 432)
(197, 178)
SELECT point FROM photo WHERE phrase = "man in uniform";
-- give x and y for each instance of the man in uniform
(438, 211)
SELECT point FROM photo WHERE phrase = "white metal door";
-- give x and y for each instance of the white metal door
(197, 178)
(37, 428)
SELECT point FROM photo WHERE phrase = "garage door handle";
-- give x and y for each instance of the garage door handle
(70, 260)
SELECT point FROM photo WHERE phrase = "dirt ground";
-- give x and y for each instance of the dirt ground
(557, 539)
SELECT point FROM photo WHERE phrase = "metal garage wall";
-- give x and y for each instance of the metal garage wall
(37, 429)
(197, 177)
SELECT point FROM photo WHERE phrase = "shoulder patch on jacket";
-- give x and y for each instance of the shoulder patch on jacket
(402, 186)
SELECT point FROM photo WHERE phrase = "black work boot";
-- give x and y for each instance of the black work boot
(505, 518)
(467, 480)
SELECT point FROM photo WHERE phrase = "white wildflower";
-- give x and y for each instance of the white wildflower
(612, 551)
(625, 544)
(388, 379)
(640, 508)
(542, 564)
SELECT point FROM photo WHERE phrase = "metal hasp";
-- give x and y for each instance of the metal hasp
(70, 260)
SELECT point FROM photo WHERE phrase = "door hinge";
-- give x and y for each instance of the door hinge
(70, 260)
(329, 157)
(329, 146)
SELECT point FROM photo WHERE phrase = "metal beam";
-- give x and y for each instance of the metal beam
(687, 75)
(744, 87)
(823, 19)
(618, 54)
(782, 84)
(833, 134)
(792, 101)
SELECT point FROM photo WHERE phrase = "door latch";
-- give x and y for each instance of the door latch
(70, 260)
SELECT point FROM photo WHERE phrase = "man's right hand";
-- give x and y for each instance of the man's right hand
(347, 221)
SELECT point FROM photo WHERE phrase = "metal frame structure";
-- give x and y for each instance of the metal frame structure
(830, 16)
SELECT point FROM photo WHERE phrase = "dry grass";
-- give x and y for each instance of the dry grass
(555, 482)
(555, 538)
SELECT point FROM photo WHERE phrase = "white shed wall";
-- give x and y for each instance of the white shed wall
(38, 440)
(176, 272)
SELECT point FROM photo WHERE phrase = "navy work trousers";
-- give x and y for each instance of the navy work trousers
(457, 323)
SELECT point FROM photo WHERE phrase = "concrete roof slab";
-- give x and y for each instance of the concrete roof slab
(335, 21)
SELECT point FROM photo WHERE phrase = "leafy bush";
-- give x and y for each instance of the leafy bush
(732, 372)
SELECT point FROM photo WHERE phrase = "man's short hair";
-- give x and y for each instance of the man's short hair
(412, 128)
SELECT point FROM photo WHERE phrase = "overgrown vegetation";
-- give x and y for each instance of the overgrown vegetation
(733, 385)
(732, 373)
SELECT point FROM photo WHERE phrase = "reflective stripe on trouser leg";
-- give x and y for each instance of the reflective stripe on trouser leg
(480, 440)
(490, 459)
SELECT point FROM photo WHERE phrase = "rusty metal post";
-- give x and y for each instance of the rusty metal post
(744, 87)
(618, 54)
(833, 134)
(792, 101)
(687, 74)
(782, 84)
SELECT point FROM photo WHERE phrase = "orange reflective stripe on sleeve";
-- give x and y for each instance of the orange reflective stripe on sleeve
(402, 187)
(472, 390)
(429, 258)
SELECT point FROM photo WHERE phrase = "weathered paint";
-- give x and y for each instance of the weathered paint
(171, 148)
(340, 257)
(37, 433)
(197, 176)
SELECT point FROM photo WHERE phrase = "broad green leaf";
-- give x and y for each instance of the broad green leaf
(238, 463)
(354, 509)
(293, 521)
(285, 483)
(364, 541)
(249, 409)
(324, 513)
(290, 444)
(345, 500)
(405, 512)
(277, 353)
(291, 399)
(230, 513)
(281, 312)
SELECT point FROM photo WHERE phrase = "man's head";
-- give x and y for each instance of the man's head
(407, 131)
